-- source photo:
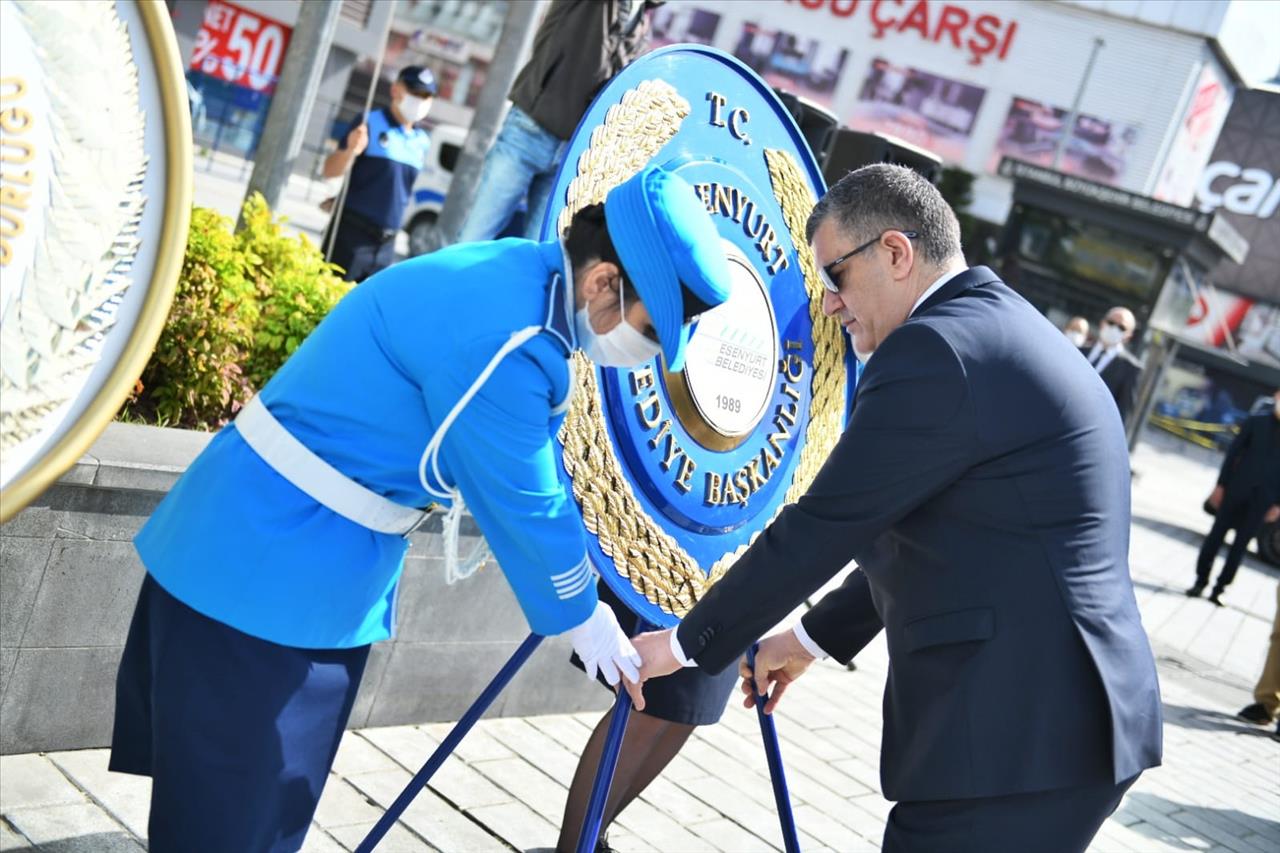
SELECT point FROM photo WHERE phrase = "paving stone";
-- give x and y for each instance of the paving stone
(342, 805)
(76, 828)
(126, 797)
(730, 837)
(456, 781)
(518, 825)
(672, 800)
(32, 780)
(357, 755)
(527, 784)
(429, 816)
(536, 747)
(397, 840)
(478, 745)
(565, 730)
(10, 840)
(830, 831)
(659, 830)
(319, 841)
(628, 842)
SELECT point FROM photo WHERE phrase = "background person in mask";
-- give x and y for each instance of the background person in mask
(1246, 497)
(384, 152)
(1077, 331)
(240, 669)
(1115, 364)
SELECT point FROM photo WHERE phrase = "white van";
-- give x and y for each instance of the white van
(430, 188)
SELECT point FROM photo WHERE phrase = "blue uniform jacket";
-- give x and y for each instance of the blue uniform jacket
(237, 542)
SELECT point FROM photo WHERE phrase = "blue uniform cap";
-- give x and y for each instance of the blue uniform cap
(419, 80)
(665, 238)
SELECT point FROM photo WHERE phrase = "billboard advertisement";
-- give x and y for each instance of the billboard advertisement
(1196, 134)
(672, 24)
(240, 47)
(802, 66)
(933, 112)
(1097, 149)
(1242, 183)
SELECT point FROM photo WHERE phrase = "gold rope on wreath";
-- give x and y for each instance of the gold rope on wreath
(644, 120)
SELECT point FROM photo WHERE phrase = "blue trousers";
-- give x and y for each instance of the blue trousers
(1063, 820)
(237, 733)
(522, 164)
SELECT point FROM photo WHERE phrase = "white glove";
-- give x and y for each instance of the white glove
(602, 646)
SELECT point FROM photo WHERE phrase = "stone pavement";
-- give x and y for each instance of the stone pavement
(1218, 790)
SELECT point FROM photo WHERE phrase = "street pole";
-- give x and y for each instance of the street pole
(1069, 123)
(294, 97)
(512, 49)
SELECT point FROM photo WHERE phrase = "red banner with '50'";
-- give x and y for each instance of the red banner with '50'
(240, 46)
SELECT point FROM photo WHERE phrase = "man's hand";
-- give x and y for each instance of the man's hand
(358, 139)
(656, 659)
(1215, 499)
(1272, 514)
(780, 660)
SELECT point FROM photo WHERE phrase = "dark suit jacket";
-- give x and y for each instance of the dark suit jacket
(983, 487)
(1251, 471)
(1121, 378)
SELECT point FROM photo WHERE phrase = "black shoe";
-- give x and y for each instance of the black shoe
(1195, 590)
(1256, 713)
(1213, 596)
(1276, 734)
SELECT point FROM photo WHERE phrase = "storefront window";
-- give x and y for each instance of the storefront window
(1082, 250)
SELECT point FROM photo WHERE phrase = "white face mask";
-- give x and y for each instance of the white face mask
(1110, 335)
(1076, 337)
(622, 346)
(413, 108)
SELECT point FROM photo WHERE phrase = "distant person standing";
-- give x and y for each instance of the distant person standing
(1077, 331)
(1118, 367)
(1246, 497)
(1265, 709)
(580, 45)
(385, 151)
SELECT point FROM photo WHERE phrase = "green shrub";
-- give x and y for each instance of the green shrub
(295, 288)
(194, 377)
(243, 304)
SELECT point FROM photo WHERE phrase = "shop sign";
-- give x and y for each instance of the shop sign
(240, 47)
(978, 35)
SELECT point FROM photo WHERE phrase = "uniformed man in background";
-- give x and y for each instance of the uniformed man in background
(385, 152)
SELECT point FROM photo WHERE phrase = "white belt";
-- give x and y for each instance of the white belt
(327, 485)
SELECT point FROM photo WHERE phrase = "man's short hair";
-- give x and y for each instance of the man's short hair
(883, 197)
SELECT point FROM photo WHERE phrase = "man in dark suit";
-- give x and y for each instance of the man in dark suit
(1246, 497)
(1117, 366)
(982, 486)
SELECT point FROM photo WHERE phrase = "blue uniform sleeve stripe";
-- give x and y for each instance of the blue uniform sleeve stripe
(587, 580)
(571, 574)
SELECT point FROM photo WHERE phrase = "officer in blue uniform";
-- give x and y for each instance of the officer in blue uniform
(272, 564)
(384, 152)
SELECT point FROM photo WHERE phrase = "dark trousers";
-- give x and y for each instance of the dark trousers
(1244, 517)
(361, 247)
(1058, 821)
(237, 733)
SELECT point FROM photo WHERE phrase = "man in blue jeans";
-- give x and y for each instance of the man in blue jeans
(580, 46)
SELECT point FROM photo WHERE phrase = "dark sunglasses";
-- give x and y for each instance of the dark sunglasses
(827, 273)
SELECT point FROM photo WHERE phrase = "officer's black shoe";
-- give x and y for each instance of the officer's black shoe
(1213, 596)
(1195, 590)
(1256, 713)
